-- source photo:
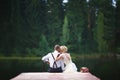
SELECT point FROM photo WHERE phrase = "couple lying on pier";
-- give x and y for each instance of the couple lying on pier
(60, 61)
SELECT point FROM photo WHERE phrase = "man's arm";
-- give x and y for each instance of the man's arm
(46, 58)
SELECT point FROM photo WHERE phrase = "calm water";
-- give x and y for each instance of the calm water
(104, 68)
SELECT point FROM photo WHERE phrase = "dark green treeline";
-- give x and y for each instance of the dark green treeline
(35, 26)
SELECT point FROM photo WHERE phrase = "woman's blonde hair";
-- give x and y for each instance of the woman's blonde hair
(63, 48)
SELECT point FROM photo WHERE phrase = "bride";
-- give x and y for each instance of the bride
(70, 66)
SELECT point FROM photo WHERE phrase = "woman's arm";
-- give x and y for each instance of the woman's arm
(58, 58)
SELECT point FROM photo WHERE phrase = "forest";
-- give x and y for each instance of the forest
(33, 27)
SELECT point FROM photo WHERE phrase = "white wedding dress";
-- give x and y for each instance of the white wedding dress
(70, 66)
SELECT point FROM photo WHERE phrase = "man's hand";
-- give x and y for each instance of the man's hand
(47, 62)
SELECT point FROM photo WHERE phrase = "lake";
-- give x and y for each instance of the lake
(106, 68)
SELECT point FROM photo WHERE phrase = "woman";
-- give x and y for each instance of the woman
(70, 66)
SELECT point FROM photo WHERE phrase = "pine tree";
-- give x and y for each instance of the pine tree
(77, 21)
(100, 33)
(109, 13)
(54, 21)
(65, 31)
(43, 45)
(16, 24)
(117, 29)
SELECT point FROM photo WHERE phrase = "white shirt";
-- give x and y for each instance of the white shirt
(50, 59)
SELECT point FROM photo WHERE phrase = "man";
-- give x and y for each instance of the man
(50, 57)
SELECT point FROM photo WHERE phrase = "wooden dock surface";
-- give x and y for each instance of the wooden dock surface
(55, 76)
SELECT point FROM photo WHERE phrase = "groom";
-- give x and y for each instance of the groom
(50, 58)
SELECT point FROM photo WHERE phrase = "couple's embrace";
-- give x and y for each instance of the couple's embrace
(60, 60)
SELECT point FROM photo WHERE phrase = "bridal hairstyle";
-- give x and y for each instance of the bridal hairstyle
(63, 48)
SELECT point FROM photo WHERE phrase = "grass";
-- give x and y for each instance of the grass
(19, 58)
(74, 56)
(87, 56)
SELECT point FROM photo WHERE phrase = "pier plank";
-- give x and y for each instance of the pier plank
(55, 76)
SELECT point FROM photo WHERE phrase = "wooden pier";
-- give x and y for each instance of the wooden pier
(55, 76)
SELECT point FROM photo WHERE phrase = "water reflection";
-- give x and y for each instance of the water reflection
(104, 68)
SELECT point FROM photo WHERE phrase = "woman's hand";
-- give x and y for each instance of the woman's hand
(58, 58)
